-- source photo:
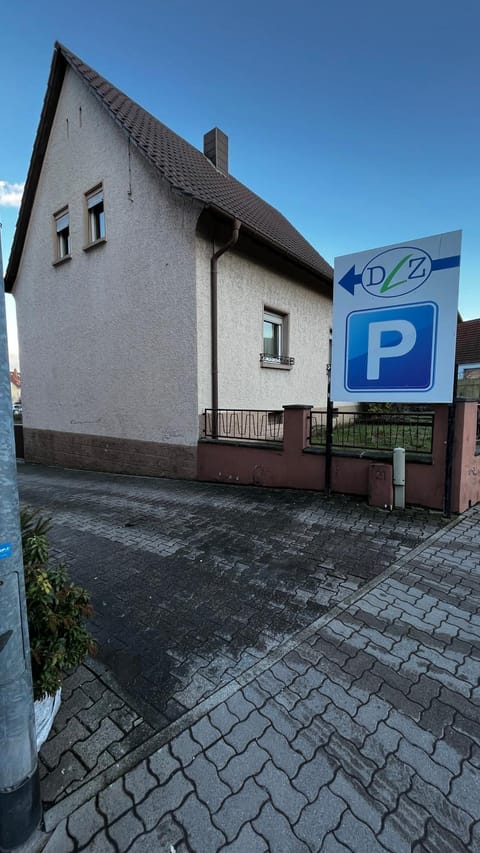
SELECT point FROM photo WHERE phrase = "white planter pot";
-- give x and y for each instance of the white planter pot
(45, 711)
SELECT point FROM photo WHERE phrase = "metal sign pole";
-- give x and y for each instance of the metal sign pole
(328, 437)
(452, 414)
(20, 805)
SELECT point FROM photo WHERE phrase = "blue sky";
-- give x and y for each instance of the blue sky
(358, 120)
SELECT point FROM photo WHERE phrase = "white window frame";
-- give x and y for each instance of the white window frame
(277, 320)
(62, 234)
(280, 357)
(95, 207)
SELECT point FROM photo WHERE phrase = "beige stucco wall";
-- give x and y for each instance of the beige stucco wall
(107, 339)
(244, 289)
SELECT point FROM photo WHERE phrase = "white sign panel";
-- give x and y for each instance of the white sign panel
(395, 322)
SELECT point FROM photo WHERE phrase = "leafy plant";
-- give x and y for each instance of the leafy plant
(56, 609)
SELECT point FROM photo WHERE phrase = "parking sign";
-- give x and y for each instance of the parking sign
(394, 322)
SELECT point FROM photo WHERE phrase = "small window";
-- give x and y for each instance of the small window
(62, 229)
(275, 341)
(96, 215)
(273, 335)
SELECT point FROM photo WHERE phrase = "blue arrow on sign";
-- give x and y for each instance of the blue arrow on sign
(350, 280)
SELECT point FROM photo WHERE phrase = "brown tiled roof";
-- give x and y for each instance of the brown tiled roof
(184, 166)
(468, 342)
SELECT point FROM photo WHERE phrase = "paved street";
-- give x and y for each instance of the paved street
(347, 717)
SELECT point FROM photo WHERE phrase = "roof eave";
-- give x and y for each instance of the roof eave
(323, 277)
(55, 80)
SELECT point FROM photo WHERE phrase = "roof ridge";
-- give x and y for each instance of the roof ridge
(184, 166)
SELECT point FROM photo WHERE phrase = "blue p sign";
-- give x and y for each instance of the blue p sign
(391, 349)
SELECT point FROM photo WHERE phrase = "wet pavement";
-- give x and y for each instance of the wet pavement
(341, 646)
(194, 583)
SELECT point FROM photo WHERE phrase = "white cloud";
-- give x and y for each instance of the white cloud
(10, 194)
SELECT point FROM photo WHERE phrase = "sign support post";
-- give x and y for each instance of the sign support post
(20, 805)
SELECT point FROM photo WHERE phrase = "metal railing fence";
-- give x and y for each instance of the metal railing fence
(375, 431)
(244, 424)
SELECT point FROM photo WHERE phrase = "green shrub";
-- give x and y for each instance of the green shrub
(56, 610)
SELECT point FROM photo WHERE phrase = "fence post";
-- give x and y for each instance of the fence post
(328, 436)
(447, 503)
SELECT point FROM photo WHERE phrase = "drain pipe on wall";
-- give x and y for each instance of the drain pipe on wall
(399, 478)
(214, 321)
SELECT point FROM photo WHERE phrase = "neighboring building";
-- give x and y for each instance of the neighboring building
(468, 349)
(467, 357)
(114, 274)
(15, 386)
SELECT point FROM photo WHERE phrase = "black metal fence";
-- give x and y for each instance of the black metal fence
(375, 431)
(468, 389)
(244, 424)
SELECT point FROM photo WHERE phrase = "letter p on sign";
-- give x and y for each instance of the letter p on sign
(391, 349)
(379, 348)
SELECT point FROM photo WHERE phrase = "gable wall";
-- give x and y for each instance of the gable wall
(107, 339)
(244, 288)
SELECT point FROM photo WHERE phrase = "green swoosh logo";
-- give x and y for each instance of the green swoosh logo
(386, 284)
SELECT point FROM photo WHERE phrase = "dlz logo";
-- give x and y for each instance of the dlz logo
(396, 272)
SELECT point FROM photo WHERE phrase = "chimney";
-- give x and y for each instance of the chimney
(215, 147)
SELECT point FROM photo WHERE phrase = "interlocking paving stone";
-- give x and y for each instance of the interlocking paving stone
(165, 835)
(284, 756)
(125, 830)
(90, 750)
(314, 774)
(363, 806)
(164, 799)
(195, 819)
(57, 745)
(241, 767)
(179, 548)
(404, 827)
(208, 783)
(430, 771)
(138, 782)
(274, 827)
(319, 818)
(393, 779)
(247, 840)
(113, 801)
(83, 824)
(356, 835)
(240, 808)
(284, 797)
(387, 758)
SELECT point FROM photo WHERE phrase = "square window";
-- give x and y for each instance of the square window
(96, 215)
(62, 232)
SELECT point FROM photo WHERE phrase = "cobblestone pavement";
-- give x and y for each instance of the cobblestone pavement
(364, 736)
(193, 583)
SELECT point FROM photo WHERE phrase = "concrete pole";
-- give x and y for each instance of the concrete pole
(20, 805)
(399, 478)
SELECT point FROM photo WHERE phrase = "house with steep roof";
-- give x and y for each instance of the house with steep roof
(467, 358)
(467, 354)
(139, 257)
(15, 385)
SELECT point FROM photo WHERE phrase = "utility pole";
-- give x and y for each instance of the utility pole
(20, 805)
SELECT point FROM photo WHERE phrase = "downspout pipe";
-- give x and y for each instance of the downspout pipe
(214, 320)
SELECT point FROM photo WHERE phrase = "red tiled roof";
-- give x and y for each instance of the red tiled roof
(184, 166)
(15, 378)
(468, 342)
